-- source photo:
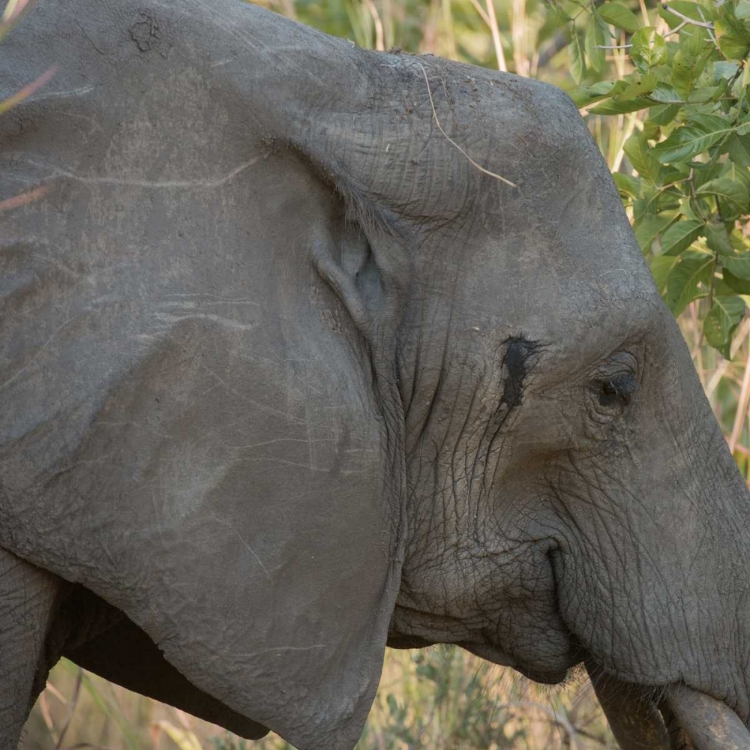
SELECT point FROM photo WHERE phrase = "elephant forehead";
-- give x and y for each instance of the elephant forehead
(558, 272)
(560, 239)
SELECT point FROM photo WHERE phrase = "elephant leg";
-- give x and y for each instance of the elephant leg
(28, 599)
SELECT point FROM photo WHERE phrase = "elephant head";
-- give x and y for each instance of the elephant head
(313, 349)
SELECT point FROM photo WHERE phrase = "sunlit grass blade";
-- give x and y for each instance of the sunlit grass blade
(28, 90)
(184, 739)
(21, 200)
(104, 705)
(14, 9)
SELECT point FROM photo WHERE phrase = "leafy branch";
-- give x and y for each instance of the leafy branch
(685, 181)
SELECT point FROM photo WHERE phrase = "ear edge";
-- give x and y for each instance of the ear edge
(342, 282)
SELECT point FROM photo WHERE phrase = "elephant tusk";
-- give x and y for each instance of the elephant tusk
(633, 718)
(710, 724)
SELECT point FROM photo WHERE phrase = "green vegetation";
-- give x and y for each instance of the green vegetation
(684, 92)
(664, 91)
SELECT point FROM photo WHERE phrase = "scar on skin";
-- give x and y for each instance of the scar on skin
(59, 172)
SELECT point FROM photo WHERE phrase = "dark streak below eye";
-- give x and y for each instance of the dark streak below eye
(517, 352)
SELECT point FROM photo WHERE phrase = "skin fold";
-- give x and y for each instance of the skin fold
(284, 379)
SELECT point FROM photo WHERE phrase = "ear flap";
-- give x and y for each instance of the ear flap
(200, 440)
(238, 511)
(216, 451)
(366, 275)
(350, 270)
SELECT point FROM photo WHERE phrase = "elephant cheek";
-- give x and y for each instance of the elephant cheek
(531, 628)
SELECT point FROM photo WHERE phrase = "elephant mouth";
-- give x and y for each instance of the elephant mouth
(673, 718)
(492, 654)
(497, 656)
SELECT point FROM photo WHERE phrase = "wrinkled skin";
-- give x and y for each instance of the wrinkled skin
(284, 378)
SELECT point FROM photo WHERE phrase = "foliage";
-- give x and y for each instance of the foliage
(683, 89)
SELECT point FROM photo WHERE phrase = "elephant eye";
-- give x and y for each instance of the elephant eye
(616, 391)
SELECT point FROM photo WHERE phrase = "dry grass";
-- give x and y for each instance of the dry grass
(442, 699)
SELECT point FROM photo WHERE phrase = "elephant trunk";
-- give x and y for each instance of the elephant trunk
(710, 724)
(633, 718)
(689, 719)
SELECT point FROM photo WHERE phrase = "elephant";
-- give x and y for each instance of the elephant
(307, 351)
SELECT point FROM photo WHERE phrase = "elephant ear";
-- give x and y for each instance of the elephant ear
(191, 415)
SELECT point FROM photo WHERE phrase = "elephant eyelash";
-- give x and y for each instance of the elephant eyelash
(618, 390)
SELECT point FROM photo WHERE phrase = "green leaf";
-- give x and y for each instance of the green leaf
(732, 34)
(649, 48)
(741, 286)
(683, 77)
(665, 94)
(641, 86)
(688, 141)
(595, 38)
(733, 46)
(703, 94)
(648, 228)
(739, 265)
(663, 114)
(651, 130)
(577, 62)
(638, 151)
(738, 173)
(680, 236)
(654, 200)
(711, 122)
(742, 10)
(739, 149)
(721, 322)
(616, 107)
(683, 284)
(720, 89)
(691, 10)
(724, 70)
(717, 239)
(729, 190)
(703, 172)
(620, 16)
(739, 242)
(686, 68)
(585, 95)
(661, 266)
(628, 185)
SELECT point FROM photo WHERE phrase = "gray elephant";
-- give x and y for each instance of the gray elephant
(307, 350)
